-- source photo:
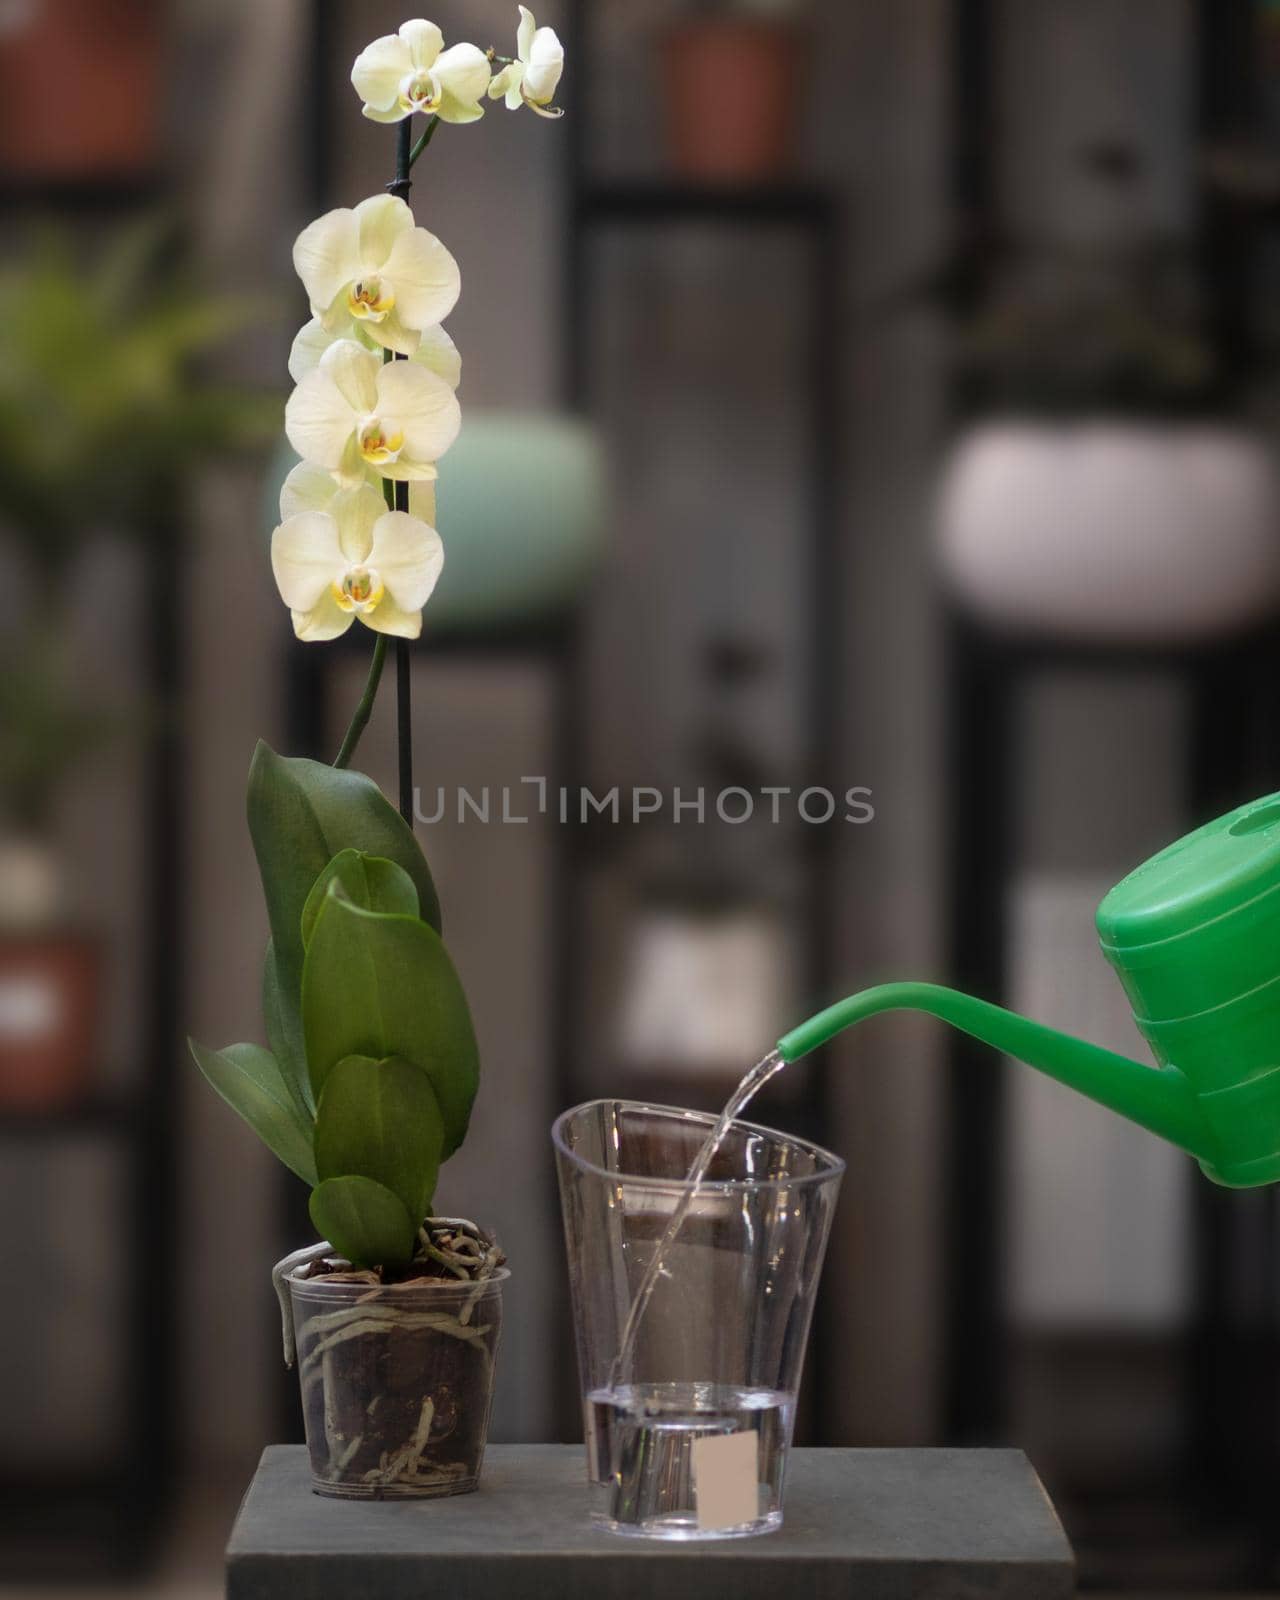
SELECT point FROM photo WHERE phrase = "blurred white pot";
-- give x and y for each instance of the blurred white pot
(1114, 532)
(703, 988)
(50, 982)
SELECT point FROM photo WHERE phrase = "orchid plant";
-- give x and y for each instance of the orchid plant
(371, 1068)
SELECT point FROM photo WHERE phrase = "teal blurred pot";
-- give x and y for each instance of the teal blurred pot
(520, 506)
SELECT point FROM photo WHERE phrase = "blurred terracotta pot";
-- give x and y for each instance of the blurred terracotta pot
(732, 92)
(80, 87)
(49, 988)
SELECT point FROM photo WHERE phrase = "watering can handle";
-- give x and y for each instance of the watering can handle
(1157, 1098)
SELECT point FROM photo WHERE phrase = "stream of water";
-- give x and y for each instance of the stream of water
(642, 1438)
(750, 1086)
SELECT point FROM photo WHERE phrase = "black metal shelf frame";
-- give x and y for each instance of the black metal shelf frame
(108, 1523)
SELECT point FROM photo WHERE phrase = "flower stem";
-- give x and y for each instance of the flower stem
(360, 717)
(423, 142)
(404, 729)
(406, 155)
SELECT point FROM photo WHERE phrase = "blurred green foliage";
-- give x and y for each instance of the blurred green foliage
(102, 402)
(105, 409)
(47, 725)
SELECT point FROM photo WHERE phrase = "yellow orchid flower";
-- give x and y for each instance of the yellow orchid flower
(371, 271)
(355, 559)
(436, 351)
(411, 70)
(353, 411)
(531, 80)
(311, 488)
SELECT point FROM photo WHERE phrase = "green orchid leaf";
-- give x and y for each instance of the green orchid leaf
(249, 1079)
(302, 814)
(363, 1220)
(379, 985)
(369, 881)
(284, 1035)
(381, 1120)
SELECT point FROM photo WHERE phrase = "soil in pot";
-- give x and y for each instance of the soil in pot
(397, 1377)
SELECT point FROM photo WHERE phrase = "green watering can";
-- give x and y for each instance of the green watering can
(1194, 935)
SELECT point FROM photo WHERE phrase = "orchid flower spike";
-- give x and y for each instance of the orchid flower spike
(371, 274)
(531, 80)
(353, 411)
(355, 560)
(411, 71)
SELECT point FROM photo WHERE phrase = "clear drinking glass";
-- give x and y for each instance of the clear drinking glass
(689, 1428)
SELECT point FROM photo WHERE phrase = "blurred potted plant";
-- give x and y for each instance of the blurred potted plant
(49, 968)
(1105, 484)
(95, 386)
(731, 72)
(80, 86)
(372, 1067)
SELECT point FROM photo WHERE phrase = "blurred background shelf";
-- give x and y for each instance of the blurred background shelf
(88, 1415)
(669, 279)
(656, 200)
(109, 1118)
(102, 1526)
(99, 1168)
(1186, 1346)
(83, 197)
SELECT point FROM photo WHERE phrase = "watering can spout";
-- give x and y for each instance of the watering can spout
(1193, 935)
(1159, 1099)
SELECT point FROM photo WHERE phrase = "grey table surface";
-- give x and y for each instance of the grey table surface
(876, 1524)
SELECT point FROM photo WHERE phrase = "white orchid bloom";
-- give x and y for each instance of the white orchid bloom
(371, 270)
(311, 488)
(355, 559)
(436, 351)
(531, 80)
(411, 71)
(353, 411)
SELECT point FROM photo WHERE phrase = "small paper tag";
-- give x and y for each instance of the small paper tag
(724, 1480)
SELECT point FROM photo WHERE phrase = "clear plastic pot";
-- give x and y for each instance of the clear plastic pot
(397, 1383)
